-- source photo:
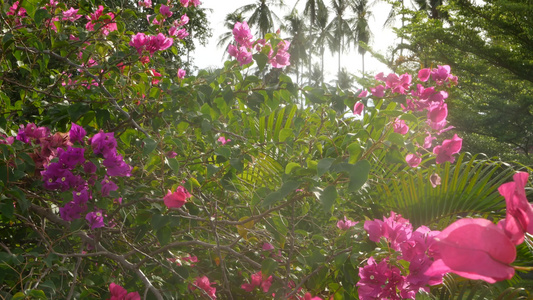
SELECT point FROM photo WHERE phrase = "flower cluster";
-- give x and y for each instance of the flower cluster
(119, 293)
(384, 280)
(278, 58)
(257, 281)
(108, 23)
(418, 99)
(151, 43)
(204, 284)
(176, 199)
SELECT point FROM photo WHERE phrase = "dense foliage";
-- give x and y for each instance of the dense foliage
(122, 177)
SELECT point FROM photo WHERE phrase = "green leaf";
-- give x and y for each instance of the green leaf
(149, 146)
(174, 165)
(358, 175)
(223, 151)
(291, 167)
(268, 266)
(284, 134)
(328, 197)
(40, 15)
(163, 235)
(261, 60)
(396, 138)
(324, 165)
(285, 190)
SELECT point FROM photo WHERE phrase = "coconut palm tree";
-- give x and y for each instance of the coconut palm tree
(340, 26)
(296, 28)
(361, 30)
(323, 35)
(261, 16)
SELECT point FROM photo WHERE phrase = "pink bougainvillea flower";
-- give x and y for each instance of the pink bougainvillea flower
(437, 112)
(358, 108)
(440, 74)
(139, 42)
(394, 229)
(71, 15)
(108, 186)
(158, 42)
(308, 296)
(379, 76)
(423, 74)
(267, 247)
(379, 281)
(181, 73)
(257, 280)
(165, 11)
(282, 57)
(184, 20)
(474, 249)
(519, 216)
(119, 293)
(447, 149)
(428, 140)
(378, 91)
(362, 94)
(176, 199)
(223, 140)
(346, 224)
(244, 57)
(145, 3)
(187, 3)
(243, 34)
(435, 180)
(400, 126)
(413, 160)
(204, 284)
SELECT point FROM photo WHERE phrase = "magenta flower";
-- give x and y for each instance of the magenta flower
(308, 296)
(71, 15)
(358, 108)
(176, 199)
(103, 143)
(400, 126)
(89, 167)
(437, 112)
(413, 160)
(519, 216)
(158, 43)
(145, 3)
(181, 73)
(95, 219)
(223, 140)
(108, 186)
(204, 284)
(428, 141)
(72, 157)
(378, 91)
(171, 154)
(362, 94)
(80, 197)
(244, 57)
(441, 73)
(394, 229)
(256, 280)
(76, 133)
(379, 281)
(267, 247)
(165, 11)
(474, 249)
(139, 42)
(184, 20)
(116, 166)
(72, 211)
(423, 74)
(242, 34)
(447, 149)
(346, 224)
(119, 293)
(179, 33)
(187, 3)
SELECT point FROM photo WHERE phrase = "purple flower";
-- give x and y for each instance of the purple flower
(116, 166)
(95, 219)
(72, 157)
(103, 143)
(76, 133)
(108, 186)
(55, 177)
(22, 136)
(81, 197)
(89, 167)
(72, 211)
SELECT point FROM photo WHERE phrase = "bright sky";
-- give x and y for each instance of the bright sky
(211, 56)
